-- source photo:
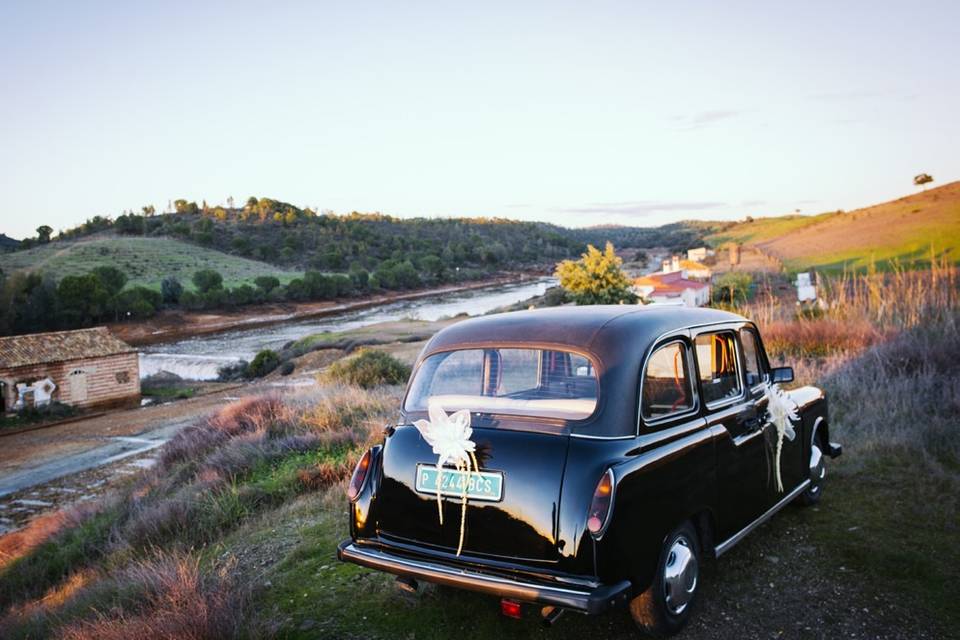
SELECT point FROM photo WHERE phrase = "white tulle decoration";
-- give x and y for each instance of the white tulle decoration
(781, 413)
(450, 438)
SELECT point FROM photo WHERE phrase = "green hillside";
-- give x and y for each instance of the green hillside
(906, 231)
(145, 261)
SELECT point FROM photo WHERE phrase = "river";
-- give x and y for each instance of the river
(199, 358)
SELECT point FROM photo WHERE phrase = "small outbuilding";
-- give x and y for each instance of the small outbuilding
(83, 368)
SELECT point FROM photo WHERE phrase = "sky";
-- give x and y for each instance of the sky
(576, 113)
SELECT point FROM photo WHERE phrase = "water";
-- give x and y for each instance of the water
(199, 358)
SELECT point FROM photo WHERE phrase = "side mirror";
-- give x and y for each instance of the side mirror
(781, 374)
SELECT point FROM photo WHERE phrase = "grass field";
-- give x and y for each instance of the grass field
(146, 261)
(906, 231)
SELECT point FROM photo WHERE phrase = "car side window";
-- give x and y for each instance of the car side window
(751, 357)
(667, 388)
(717, 362)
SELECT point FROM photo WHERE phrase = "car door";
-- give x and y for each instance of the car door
(741, 449)
(757, 378)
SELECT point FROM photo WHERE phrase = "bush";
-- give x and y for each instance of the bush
(235, 371)
(53, 411)
(369, 368)
(264, 362)
(286, 368)
(171, 290)
(207, 280)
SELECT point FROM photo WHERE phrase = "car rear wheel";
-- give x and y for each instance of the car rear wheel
(665, 607)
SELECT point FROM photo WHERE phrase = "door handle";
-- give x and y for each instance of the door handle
(751, 420)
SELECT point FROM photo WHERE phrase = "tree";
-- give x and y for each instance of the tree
(733, 286)
(113, 279)
(267, 283)
(43, 234)
(83, 299)
(184, 207)
(596, 278)
(207, 280)
(171, 290)
(922, 179)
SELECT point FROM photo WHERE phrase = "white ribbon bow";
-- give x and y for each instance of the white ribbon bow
(450, 438)
(781, 413)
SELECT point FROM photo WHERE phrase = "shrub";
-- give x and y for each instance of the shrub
(286, 368)
(369, 368)
(264, 362)
(206, 280)
(234, 371)
(178, 600)
(53, 411)
(267, 283)
(171, 290)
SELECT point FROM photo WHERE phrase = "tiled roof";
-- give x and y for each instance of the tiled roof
(674, 281)
(59, 346)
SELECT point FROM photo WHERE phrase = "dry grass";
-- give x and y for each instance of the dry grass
(178, 601)
(819, 337)
(248, 459)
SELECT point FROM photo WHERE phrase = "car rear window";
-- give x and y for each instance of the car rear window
(535, 383)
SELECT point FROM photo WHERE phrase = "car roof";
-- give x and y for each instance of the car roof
(593, 328)
(617, 337)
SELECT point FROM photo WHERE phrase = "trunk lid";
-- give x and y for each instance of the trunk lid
(522, 525)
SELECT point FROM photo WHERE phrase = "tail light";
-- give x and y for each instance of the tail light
(359, 476)
(511, 608)
(601, 504)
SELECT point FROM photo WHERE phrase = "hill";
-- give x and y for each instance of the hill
(7, 243)
(901, 231)
(145, 261)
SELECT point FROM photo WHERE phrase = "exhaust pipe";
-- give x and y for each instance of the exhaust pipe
(550, 615)
(406, 584)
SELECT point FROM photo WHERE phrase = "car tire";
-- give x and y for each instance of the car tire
(664, 608)
(818, 473)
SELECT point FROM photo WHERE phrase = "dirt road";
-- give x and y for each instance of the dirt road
(44, 469)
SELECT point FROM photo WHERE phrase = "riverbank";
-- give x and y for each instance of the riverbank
(173, 325)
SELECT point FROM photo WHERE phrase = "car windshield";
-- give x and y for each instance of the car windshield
(534, 383)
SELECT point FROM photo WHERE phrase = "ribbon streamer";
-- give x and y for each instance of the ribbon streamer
(781, 413)
(449, 436)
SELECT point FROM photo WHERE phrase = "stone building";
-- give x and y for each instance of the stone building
(84, 368)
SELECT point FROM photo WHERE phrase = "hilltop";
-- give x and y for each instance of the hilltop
(903, 230)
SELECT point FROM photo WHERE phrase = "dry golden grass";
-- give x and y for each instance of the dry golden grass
(902, 229)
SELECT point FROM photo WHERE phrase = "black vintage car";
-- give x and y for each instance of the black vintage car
(618, 446)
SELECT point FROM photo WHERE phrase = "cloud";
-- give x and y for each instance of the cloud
(639, 208)
(852, 95)
(753, 203)
(704, 118)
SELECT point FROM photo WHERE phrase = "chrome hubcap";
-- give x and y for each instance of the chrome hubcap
(680, 575)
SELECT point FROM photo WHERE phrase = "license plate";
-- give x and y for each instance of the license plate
(482, 485)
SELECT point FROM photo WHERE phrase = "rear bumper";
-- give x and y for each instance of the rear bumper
(574, 597)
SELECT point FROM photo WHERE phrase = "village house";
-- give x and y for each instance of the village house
(84, 368)
(692, 269)
(673, 288)
(699, 254)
